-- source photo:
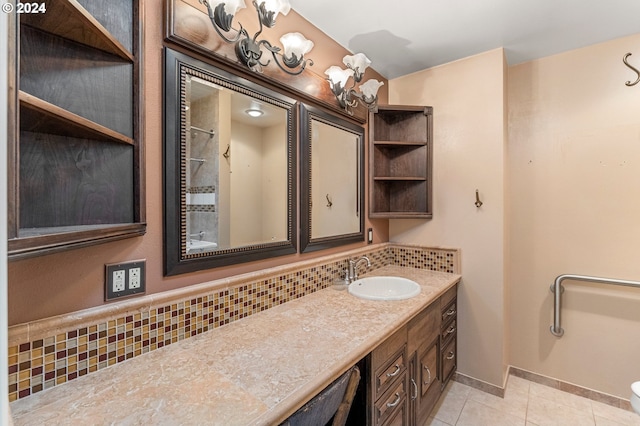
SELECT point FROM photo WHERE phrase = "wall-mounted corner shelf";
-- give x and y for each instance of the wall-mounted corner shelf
(400, 160)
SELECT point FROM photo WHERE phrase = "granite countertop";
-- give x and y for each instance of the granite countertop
(255, 371)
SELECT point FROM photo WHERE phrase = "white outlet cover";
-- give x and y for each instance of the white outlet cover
(118, 281)
(134, 278)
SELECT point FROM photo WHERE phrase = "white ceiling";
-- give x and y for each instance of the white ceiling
(404, 36)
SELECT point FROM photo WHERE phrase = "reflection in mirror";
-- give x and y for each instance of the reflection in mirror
(236, 176)
(233, 189)
(332, 171)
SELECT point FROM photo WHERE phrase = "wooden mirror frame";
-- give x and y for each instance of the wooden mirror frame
(174, 263)
(307, 243)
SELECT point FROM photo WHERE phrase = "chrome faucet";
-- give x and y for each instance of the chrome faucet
(353, 267)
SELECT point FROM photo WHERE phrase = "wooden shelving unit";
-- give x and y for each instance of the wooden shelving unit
(76, 178)
(400, 159)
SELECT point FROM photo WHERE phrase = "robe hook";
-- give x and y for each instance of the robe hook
(629, 83)
(478, 203)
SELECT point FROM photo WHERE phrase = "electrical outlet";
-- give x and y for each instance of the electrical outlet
(134, 278)
(124, 279)
(118, 280)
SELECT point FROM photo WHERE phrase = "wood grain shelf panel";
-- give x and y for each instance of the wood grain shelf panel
(68, 19)
(50, 240)
(400, 178)
(37, 115)
(399, 143)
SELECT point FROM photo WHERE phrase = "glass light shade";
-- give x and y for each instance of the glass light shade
(370, 88)
(231, 7)
(295, 44)
(277, 6)
(338, 76)
(358, 62)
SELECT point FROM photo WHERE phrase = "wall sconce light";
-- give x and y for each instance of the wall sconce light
(249, 50)
(348, 98)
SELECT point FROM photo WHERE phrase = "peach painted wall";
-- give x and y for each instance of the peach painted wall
(468, 99)
(574, 208)
(562, 196)
(70, 281)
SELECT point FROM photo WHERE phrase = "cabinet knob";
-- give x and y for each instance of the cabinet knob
(451, 355)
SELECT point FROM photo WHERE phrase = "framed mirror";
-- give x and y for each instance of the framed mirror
(332, 180)
(229, 168)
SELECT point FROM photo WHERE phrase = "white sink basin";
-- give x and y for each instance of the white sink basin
(384, 288)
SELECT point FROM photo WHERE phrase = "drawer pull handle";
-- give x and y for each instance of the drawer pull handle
(451, 355)
(395, 373)
(449, 313)
(428, 382)
(450, 330)
(415, 389)
(396, 402)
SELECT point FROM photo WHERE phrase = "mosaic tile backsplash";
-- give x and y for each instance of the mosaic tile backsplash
(53, 360)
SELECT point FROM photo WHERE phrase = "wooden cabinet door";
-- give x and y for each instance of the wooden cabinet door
(425, 383)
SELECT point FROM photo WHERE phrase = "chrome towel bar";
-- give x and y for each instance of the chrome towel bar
(557, 289)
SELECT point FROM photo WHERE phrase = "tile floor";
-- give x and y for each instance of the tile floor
(525, 403)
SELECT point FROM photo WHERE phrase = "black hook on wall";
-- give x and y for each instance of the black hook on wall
(629, 83)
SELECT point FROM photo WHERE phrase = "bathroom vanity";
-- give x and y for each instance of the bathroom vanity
(261, 369)
(405, 374)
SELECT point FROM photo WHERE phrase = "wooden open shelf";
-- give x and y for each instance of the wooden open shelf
(398, 143)
(41, 116)
(69, 20)
(42, 241)
(401, 179)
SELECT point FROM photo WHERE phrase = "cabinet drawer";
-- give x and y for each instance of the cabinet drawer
(448, 297)
(449, 312)
(391, 402)
(400, 417)
(448, 360)
(388, 349)
(448, 331)
(386, 376)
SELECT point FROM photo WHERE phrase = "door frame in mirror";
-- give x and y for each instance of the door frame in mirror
(176, 65)
(307, 242)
